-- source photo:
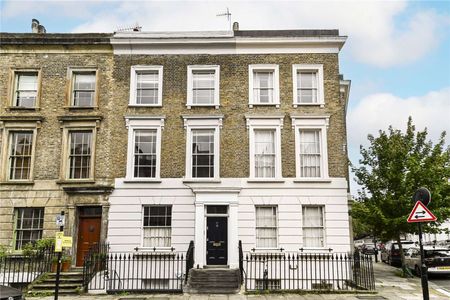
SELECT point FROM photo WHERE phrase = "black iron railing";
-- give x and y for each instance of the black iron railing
(189, 259)
(241, 262)
(19, 270)
(307, 271)
(93, 263)
(136, 272)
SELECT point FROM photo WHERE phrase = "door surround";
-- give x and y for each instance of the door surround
(216, 196)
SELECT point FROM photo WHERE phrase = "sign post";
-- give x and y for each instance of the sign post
(58, 248)
(419, 214)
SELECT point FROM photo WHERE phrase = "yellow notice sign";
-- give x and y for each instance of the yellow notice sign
(67, 241)
(59, 241)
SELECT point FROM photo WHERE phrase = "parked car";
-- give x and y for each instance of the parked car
(368, 249)
(358, 243)
(391, 252)
(9, 293)
(437, 260)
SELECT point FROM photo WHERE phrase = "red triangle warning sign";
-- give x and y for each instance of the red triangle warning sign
(421, 213)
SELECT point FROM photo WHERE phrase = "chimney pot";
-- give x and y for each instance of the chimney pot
(41, 29)
(236, 26)
(34, 26)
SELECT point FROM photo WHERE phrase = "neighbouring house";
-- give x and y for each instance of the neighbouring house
(228, 136)
(442, 237)
(55, 126)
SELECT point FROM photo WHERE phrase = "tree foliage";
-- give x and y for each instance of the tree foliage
(391, 169)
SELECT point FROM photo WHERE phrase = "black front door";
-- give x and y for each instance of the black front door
(216, 241)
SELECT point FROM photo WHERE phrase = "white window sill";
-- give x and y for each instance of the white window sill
(142, 180)
(315, 249)
(189, 106)
(145, 105)
(295, 105)
(202, 180)
(265, 251)
(154, 250)
(265, 180)
(277, 105)
(312, 180)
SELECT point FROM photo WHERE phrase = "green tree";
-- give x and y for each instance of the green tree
(391, 169)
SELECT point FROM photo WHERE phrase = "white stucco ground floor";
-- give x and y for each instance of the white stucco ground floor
(284, 215)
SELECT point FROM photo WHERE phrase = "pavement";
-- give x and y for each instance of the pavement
(387, 283)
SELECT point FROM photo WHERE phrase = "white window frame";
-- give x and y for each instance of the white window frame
(312, 123)
(276, 224)
(143, 227)
(323, 227)
(5, 148)
(197, 123)
(276, 84)
(143, 122)
(265, 123)
(190, 84)
(318, 68)
(71, 71)
(133, 84)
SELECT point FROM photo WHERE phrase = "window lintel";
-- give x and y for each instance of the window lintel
(299, 121)
(265, 120)
(79, 121)
(143, 121)
(202, 121)
(29, 122)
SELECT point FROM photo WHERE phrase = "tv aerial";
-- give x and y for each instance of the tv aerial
(226, 14)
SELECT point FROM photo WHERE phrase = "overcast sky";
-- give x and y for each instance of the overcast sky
(397, 54)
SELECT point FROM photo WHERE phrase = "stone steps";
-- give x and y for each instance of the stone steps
(213, 281)
(70, 283)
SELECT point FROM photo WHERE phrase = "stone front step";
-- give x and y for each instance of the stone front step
(69, 283)
(213, 281)
(72, 273)
(36, 292)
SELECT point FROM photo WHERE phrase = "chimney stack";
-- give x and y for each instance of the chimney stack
(36, 28)
(235, 26)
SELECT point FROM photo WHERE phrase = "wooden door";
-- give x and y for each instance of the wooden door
(216, 241)
(88, 236)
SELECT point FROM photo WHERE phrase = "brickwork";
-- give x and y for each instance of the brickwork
(234, 158)
(54, 68)
(111, 146)
(47, 189)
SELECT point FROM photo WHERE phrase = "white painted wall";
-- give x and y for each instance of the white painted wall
(125, 218)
